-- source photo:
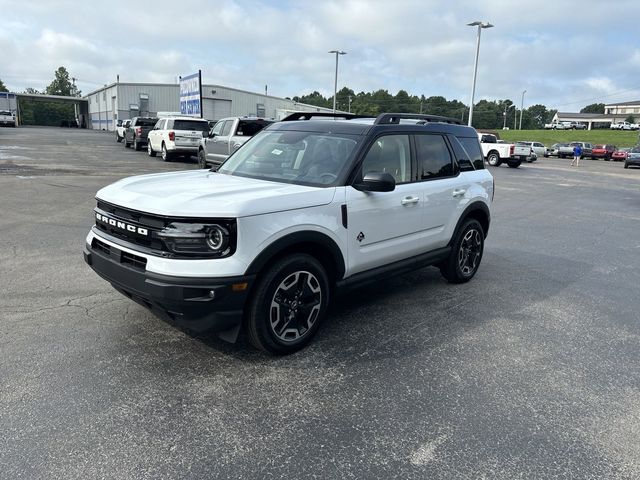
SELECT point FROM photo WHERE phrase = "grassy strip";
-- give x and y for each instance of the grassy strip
(619, 138)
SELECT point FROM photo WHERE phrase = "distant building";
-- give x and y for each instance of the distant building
(120, 101)
(613, 112)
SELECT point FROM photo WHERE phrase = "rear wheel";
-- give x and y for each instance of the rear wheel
(466, 253)
(118, 138)
(166, 156)
(202, 159)
(136, 145)
(493, 159)
(126, 144)
(288, 305)
(514, 163)
(626, 165)
(150, 151)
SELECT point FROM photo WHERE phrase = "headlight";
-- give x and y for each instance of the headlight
(198, 239)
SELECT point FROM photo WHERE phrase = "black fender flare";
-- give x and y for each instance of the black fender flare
(472, 211)
(306, 240)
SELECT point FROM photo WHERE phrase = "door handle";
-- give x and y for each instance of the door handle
(410, 200)
(459, 192)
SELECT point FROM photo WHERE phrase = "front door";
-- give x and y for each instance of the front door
(384, 227)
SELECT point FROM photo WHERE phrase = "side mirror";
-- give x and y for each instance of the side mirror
(211, 134)
(376, 182)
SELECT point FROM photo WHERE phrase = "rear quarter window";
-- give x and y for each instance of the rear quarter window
(472, 148)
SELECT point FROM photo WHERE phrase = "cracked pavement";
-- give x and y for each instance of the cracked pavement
(532, 370)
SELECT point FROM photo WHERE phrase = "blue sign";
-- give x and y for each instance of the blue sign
(190, 95)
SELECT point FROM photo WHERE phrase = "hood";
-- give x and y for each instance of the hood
(201, 193)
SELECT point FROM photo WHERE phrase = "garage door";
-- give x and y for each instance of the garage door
(216, 109)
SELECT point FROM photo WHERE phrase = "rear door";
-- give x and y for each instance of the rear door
(384, 227)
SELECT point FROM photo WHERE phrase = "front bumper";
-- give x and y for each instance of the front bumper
(196, 304)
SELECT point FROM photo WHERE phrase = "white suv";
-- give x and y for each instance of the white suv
(175, 136)
(304, 207)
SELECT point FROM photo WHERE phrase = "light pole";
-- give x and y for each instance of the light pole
(521, 107)
(335, 85)
(504, 123)
(480, 26)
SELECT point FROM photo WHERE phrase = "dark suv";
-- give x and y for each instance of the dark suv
(136, 133)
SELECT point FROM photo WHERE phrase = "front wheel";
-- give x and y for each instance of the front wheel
(493, 159)
(466, 253)
(118, 138)
(288, 304)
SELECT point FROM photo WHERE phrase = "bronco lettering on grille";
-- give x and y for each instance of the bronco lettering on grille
(121, 225)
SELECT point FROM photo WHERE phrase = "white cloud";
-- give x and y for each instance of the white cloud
(557, 51)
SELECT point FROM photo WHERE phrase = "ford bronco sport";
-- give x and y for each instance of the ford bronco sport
(310, 204)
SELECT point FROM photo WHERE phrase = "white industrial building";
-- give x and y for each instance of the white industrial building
(126, 100)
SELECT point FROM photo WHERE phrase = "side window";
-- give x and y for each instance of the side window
(160, 125)
(390, 154)
(434, 159)
(217, 128)
(472, 147)
(226, 130)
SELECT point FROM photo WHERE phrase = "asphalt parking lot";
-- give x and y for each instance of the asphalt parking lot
(532, 370)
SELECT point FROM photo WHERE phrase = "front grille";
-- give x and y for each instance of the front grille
(133, 260)
(151, 223)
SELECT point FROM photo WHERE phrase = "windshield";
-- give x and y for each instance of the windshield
(305, 158)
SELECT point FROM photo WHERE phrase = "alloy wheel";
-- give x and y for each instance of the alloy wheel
(295, 306)
(470, 251)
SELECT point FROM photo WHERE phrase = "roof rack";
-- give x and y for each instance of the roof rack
(392, 118)
(310, 115)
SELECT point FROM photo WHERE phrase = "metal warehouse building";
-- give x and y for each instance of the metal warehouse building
(127, 100)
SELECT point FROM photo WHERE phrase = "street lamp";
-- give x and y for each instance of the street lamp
(504, 123)
(521, 107)
(480, 26)
(335, 85)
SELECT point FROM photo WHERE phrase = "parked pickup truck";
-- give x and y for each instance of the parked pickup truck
(624, 126)
(566, 149)
(7, 119)
(226, 136)
(121, 128)
(496, 153)
(136, 133)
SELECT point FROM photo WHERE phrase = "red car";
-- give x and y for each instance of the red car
(620, 155)
(603, 151)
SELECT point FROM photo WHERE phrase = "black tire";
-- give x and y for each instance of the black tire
(126, 144)
(493, 159)
(466, 253)
(293, 292)
(150, 151)
(626, 165)
(166, 156)
(136, 145)
(514, 163)
(118, 138)
(202, 159)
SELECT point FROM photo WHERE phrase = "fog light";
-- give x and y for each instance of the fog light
(212, 293)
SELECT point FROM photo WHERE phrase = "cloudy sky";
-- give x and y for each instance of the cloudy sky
(565, 53)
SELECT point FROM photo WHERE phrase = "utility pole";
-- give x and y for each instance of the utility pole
(349, 103)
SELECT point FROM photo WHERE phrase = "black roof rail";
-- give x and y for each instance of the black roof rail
(392, 118)
(310, 115)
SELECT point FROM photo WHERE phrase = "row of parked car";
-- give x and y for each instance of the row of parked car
(183, 137)
(630, 156)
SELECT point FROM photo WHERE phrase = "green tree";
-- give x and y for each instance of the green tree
(314, 98)
(31, 91)
(630, 119)
(537, 115)
(593, 108)
(3, 88)
(62, 85)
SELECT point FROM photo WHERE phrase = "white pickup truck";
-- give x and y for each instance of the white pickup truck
(496, 153)
(7, 119)
(121, 128)
(226, 136)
